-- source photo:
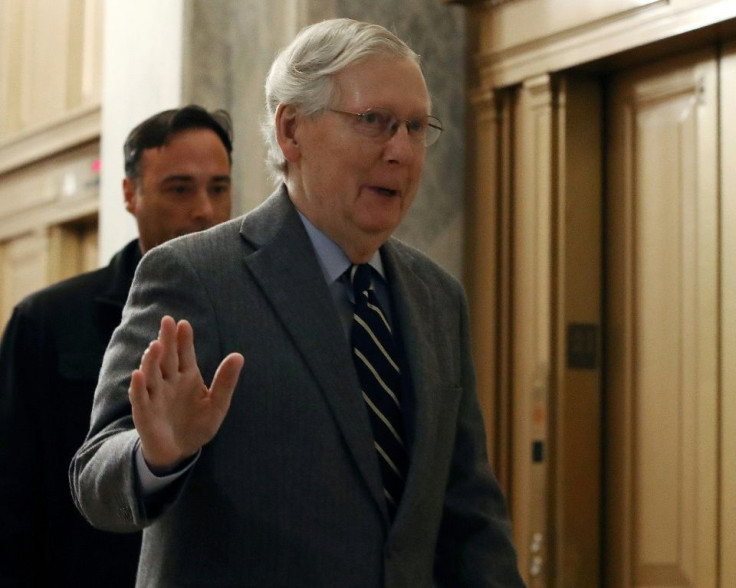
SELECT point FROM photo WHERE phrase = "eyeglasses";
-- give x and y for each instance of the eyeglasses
(382, 124)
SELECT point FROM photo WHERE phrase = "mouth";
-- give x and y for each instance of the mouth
(383, 191)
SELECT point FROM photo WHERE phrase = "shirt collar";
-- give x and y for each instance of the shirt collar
(333, 260)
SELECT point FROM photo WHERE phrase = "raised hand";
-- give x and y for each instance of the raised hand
(174, 412)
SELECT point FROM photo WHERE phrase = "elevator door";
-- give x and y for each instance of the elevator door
(663, 325)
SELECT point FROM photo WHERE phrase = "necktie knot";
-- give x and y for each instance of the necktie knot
(360, 276)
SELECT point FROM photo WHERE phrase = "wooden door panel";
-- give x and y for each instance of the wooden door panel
(662, 312)
(23, 269)
(728, 320)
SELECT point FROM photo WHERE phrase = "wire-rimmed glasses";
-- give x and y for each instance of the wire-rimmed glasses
(382, 124)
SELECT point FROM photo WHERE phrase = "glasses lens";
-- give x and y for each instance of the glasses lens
(383, 124)
(433, 131)
(376, 122)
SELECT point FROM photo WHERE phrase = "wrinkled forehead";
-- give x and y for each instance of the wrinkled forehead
(383, 82)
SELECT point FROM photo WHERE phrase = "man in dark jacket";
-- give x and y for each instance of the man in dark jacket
(177, 181)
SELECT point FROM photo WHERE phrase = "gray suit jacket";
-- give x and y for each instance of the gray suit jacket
(288, 493)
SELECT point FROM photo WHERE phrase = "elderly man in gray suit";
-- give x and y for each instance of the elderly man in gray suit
(350, 451)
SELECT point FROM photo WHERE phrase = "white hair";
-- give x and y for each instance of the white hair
(302, 73)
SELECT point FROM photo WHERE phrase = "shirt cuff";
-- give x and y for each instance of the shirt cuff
(150, 483)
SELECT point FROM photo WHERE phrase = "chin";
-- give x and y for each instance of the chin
(379, 234)
(380, 220)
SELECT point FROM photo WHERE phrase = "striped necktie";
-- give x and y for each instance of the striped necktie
(375, 358)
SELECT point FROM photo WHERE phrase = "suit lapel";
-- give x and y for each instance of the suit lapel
(286, 268)
(412, 304)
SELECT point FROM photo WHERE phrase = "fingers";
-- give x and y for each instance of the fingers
(187, 357)
(173, 353)
(138, 393)
(167, 336)
(226, 377)
(227, 374)
(150, 369)
(159, 360)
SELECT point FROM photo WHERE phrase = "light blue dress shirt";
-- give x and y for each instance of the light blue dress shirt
(334, 264)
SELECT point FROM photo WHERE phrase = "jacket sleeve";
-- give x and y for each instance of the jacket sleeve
(475, 546)
(102, 474)
(22, 508)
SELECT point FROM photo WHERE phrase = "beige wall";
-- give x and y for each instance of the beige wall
(50, 84)
(142, 75)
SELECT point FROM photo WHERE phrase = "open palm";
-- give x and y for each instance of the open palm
(174, 412)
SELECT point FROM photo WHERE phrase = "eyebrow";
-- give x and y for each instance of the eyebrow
(186, 178)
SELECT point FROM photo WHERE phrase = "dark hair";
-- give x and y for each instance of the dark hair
(159, 128)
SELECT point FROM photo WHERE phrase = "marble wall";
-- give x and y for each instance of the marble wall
(142, 71)
(229, 45)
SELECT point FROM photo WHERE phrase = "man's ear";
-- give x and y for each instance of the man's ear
(287, 121)
(129, 188)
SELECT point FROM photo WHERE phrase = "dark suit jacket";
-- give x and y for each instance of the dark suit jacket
(288, 493)
(50, 358)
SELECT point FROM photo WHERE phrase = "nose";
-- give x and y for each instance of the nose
(400, 148)
(203, 208)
